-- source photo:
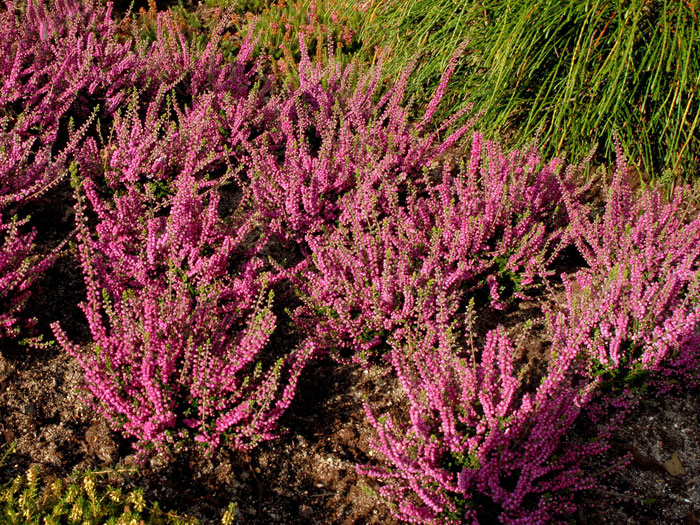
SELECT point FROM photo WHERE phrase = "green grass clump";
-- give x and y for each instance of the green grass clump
(28, 499)
(25, 500)
(576, 70)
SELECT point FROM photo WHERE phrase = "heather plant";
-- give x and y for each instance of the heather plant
(68, 62)
(636, 306)
(64, 60)
(203, 140)
(277, 25)
(20, 267)
(172, 58)
(61, 60)
(179, 327)
(47, 58)
(563, 67)
(475, 446)
(30, 166)
(334, 131)
(392, 263)
(197, 122)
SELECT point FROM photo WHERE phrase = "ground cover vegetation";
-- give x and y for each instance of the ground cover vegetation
(249, 198)
(573, 71)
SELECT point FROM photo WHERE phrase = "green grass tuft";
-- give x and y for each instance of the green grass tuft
(29, 499)
(574, 70)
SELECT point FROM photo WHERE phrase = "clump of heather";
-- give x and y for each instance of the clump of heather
(30, 165)
(476, 448)
(72, 54)
(199, 140)
(197, 122)
(45, 62)
(200, 69)
(20, 267)
(65, 61)
(636, 307)
(398, 261)
(180, 316)
(333, 131)
(62, 60)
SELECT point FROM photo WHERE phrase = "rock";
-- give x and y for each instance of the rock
(6, 368)
(101, 443)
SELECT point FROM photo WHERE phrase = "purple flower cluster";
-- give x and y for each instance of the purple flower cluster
(68, 63)
(637, 304)
(19, 269)
(331, 133)
(178, 329)
(390, 265)
(477, 446)
(39, 81)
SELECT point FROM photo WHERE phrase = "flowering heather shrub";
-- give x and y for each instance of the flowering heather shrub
(29, 166)
(178, 330)
(19, 269)
(637, 305)
(62, 57)
(171, 58)
(60, 61)
(66, 60)
(46, 59)
(196, 122)
(74, 49)
(391, 264)
(332, 133)
(477, 448)
(168, 141)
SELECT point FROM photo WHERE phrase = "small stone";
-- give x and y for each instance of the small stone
(101, 443)
(674, 466)
(6, 368)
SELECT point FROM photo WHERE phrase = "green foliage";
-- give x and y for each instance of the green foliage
(575, 70)
(30, 500)
(509, 280)
(630, 374)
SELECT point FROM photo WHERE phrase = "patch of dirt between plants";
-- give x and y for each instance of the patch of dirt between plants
(306, 476)
(661, 482)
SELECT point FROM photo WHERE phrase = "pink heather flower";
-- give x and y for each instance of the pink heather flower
(474, 434)
(177, 330)
(637, 304)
